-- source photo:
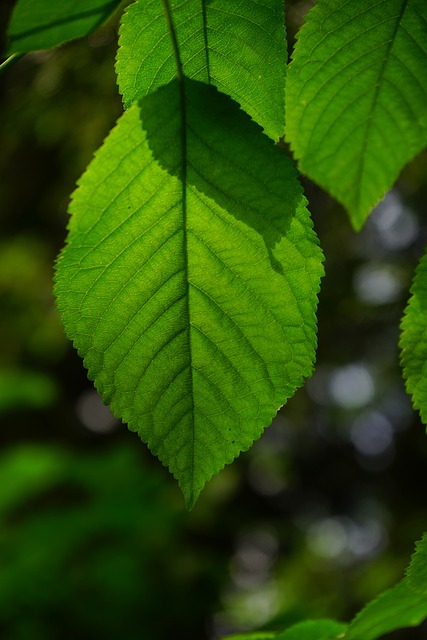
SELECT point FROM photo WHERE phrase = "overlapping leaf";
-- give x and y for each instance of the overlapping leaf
(190, 278)
(413, 341)
(43, 24)
(357, 97)
(239, 47)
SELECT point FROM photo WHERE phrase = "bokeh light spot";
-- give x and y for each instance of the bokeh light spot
(351, 386)
(93, 414)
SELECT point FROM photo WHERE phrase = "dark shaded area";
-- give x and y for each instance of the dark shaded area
(5, 12)
(319, 517)
(219, 142)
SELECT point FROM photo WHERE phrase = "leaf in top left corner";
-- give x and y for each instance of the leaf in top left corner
(44, 24)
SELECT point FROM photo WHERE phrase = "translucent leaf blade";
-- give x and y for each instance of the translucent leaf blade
(357, 97)
(190, 277)
(413, 341)
(43, 24)
(239, 47)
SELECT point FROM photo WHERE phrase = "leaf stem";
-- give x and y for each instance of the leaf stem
(182, 96)
(10, 61)
(205, 37)
(174, 39)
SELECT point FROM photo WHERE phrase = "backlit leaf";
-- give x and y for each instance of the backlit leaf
(190, 278)
(43, 24)
(239, 47)
(357, 97)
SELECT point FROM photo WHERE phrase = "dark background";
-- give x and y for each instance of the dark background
(316, 519)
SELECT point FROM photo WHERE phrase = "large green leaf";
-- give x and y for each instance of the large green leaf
(190, 278)
(413, 341)
(357, 97)
(42, 24)
(239, 46)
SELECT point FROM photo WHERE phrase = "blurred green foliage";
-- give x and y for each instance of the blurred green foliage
(95, 542)
(88, 546)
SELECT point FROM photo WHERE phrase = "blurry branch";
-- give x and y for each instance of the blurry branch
(10, 61)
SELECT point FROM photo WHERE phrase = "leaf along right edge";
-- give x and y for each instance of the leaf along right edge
(356, 97)
(413, 341)
(402, 606)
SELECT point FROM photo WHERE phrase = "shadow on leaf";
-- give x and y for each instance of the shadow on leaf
(217, 151)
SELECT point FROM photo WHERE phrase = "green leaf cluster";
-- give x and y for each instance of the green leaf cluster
(190, 276)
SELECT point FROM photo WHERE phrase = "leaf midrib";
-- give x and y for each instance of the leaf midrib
(206, 41)
(378, 86)
(183, 124)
